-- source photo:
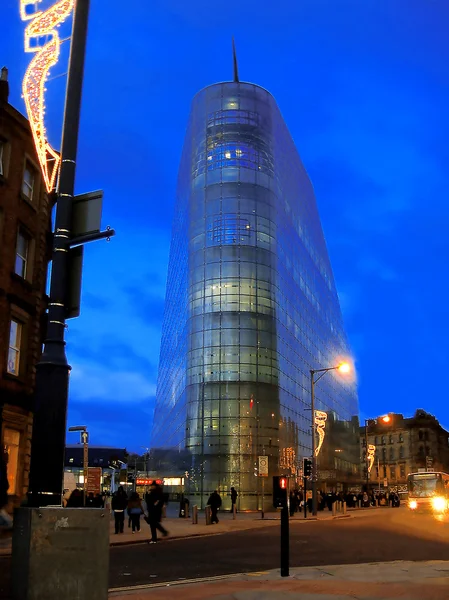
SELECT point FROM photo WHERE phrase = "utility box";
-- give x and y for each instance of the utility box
(60, 553)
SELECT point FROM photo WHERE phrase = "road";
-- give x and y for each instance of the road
(393, 534)
(390, 534)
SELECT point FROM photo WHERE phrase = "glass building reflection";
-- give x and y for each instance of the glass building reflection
(251, 306)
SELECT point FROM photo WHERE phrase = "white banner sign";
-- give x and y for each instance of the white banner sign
(263, 466)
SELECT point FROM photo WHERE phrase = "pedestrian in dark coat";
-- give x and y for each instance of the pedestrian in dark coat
(233, 499)
(214, 502)
(119, 504)
(76, 499)
(155, 502)
(135, 510)
(293, 505)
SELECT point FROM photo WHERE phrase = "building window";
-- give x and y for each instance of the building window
(401, 452)
(391, 453)
(384, 454)
(421, 435)
(392, 472)
(402, 470)
(391, 439)
(401, 438)
(22, 254)
(12, 442)
(15, 338)
(384, 440)
(229, 229)
(29, 176)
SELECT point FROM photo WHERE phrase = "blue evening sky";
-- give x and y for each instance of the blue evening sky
(364, 88)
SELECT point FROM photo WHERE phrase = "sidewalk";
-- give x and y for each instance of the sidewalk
(375, 581)
(183, 528)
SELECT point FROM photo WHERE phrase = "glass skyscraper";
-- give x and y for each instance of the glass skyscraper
(251, 307)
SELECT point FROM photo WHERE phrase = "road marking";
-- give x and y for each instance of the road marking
(148, 586)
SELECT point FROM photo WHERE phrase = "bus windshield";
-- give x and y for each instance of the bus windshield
(423, 485)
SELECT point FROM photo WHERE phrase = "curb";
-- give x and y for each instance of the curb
(134, 542)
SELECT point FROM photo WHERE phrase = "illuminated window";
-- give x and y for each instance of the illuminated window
(29, 176)
(12, 441)
(22, 254)
(402, 471)
(229, 229)
(15, 337)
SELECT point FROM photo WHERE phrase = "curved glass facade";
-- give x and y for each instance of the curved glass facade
(251, 307)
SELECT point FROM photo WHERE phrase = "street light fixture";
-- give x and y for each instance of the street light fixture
(342, 367)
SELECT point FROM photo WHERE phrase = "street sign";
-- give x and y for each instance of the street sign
(94, 480)
(86, 213)
(263, 466)
(74, 281)
(84, 437)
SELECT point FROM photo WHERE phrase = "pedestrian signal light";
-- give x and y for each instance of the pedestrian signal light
(280, 487)
(307, 467)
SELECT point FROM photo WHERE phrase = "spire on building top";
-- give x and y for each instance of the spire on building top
(4, 85)
(236, 67)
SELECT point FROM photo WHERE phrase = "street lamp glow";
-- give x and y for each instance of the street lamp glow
(344, 367)
(386, 419)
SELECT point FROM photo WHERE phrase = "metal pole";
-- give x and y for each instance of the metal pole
(314, 473)
(285, 541)
(263, 490)
(85, 467)
(366, 454)
(52, 371)
(305, 498)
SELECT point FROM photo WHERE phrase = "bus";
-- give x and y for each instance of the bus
(428, 492)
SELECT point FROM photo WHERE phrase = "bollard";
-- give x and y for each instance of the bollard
(195, 515)
(344, 508)
(334, 509)
(234, 511)
(207, 512)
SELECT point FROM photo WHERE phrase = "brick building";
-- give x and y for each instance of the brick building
(25, 249)
(403, 446)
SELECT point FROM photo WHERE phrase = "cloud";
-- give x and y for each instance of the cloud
(93, 381)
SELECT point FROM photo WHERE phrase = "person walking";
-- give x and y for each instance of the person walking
(214, 502)
(233, 499)
(135, 510)
(155, 502)
(119, 504)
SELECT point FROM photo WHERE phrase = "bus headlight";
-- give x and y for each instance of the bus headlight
(413, 505)
(439, 503)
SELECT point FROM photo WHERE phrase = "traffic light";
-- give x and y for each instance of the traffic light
(307, 467)
(280, 491)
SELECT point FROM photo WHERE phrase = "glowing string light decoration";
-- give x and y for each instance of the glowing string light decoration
(41, 38)
(371, 453)
(320, 424)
